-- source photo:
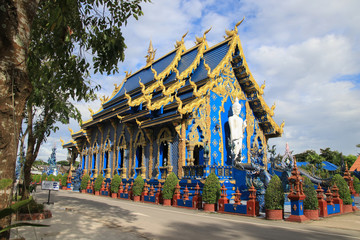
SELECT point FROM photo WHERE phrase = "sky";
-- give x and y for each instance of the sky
(307, 52)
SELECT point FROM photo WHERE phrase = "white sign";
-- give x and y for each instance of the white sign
(50, 185)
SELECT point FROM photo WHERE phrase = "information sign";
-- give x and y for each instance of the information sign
(50, 185)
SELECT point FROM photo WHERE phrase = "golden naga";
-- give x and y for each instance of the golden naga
(272, 109)
(91, 111)
(127, 75)
(202, 39)
(143, 88)
(151, 55)
(261, 90)
(231, 33)
(104, 99)
(127, 96)
(138, 122)
(179, 43)
(71, 131)
(178, 100)
(62, 141)
(282, 127)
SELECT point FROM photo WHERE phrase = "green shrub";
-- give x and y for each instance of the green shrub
(43, 177)
(115, 183)
(98, 183)
(84, 181)
(274, 195)
(211, 189)
(64, 179)
(138, 186)
(311, 201)
(344, 190)
(51, 177)
(357, 184)
(169, 186)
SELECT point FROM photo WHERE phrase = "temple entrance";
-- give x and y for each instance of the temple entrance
(198, 155)
(138, 160)
(121, 161)
(93, 164)
(106, 162)
(164, 152)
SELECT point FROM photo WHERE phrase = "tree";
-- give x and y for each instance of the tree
(331, 156)
(302, 157)
(61, 28)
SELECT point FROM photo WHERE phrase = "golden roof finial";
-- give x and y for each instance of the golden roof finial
(71, 131)
(91, 111)
(235, 31)
(62, 141)
(282, 127)
(262, 87)
(151, 54)
(203, 38)
(179, 43)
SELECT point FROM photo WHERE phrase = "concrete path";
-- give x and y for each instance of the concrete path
(84, 216)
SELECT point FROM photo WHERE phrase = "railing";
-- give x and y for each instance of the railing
(196, 171)
(221, 171)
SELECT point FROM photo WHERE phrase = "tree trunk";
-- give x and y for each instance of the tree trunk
(15, 87)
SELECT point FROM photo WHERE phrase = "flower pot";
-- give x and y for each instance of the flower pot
(97, 193)
(83, 191)
(209, 207)
(312, 214)
(64, 188)
(114, 195)
(167, 202)
(136, 198)
(347, 208)
(274, 214)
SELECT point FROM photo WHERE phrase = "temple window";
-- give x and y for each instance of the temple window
(198, 155)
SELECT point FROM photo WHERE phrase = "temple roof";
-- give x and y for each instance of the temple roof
(171, 86)
(356, 165)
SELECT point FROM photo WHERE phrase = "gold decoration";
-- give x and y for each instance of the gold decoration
(160, 103)
(190, 106)
(151, 55)
(120, 117)
(180, 43)
(138, 122)
(62, 142)
(104, 99)
(234, 32)
(282, 127)
(71, 131)
(249, 128)
(261, 90)
(271, 113)
(200, 40)
(91, 111)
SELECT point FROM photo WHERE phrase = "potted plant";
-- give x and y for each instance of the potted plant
(114, 186)
(138, 188)
(84, 181)
(344, 192)
(274, 199)
(169, 188)
(97, 184)
(63, 181)
(311, 204)
(357, 186)
(211, 192)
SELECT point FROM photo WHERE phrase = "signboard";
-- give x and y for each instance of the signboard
(50, 185)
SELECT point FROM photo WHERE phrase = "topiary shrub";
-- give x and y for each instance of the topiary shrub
(311, 201)
(357, 184)
(43, 177)
(138, 186)
(84, 181)
(344, 190)
(115, 183)
(274, 195)
(211, 189)
(51, 177)
(64, 179)
(98, 183)
(169, 186)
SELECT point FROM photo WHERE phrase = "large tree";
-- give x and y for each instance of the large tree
(64, 30)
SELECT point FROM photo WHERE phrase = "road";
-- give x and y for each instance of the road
(84, 216)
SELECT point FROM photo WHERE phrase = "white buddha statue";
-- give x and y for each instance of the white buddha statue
(237, 128)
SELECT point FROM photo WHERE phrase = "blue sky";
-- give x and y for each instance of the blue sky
(307, 52)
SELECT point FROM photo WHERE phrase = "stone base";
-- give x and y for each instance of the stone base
(167, 202)
(297, 218)
(208, 207)
(348, 208)
(274, 214)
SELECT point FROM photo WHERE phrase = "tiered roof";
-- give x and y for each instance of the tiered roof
(171, 86)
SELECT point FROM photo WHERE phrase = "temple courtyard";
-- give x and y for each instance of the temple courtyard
(85, 216)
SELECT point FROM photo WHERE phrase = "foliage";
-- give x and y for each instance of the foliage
(5, 183)
(59, 71)
(344, 190)
(13, 209)
(274, 195)
(138, 186)
(84, 181)
(169, 186)
(211, 189)
(115, 183)
(32, 207)
(98, 183)
(311, 201)
(43, 176)
(64, 179)
(357, 184)
(63, 163)
(51, 177)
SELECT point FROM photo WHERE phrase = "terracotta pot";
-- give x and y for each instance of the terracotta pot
(312, 214)
(167, 202)
(347, 208)
(97, 193)
(114, 195)
(274, 214)
(209, 207)
(136, 198)
(83, 191)
(64, 188)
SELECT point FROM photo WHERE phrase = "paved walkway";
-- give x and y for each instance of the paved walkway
(84, 216)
